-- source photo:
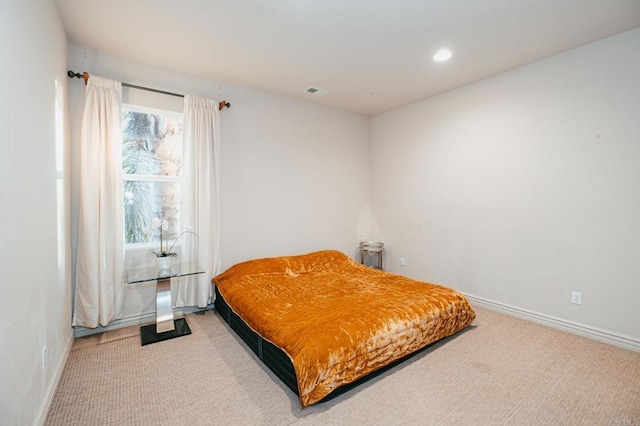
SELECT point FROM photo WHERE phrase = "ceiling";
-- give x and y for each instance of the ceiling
(370, 55)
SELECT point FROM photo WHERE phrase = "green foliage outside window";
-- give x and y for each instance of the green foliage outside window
(151, 166)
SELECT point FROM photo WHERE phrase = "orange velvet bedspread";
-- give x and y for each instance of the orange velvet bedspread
(336, 319)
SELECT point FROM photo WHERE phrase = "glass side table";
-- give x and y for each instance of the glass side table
(165, 327)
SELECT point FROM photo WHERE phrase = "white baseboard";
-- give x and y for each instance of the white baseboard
(53, 386)
(135, 320)
(558, 323)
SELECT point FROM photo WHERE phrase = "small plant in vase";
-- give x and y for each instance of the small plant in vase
(165, 255)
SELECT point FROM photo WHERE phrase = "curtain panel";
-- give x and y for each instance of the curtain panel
(200, 209)
(99, 284)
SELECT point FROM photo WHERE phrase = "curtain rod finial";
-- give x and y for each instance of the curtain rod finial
(84, 75)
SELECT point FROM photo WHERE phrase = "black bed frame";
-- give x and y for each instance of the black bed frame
(272, 356)
(278, 361)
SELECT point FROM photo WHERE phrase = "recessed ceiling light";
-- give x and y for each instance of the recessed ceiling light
(442, 55)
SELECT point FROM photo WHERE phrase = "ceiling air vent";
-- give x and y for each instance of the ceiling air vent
(316, 91)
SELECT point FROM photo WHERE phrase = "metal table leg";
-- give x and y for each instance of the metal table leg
(164, 312)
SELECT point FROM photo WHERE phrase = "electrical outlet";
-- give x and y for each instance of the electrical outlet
(402, 262)
(45, 358)
(576, 298)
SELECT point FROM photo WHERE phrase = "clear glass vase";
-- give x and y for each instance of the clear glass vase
(164, 264)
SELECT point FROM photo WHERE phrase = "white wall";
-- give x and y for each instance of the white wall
(35, 307)
(295, 175)
(523, 187)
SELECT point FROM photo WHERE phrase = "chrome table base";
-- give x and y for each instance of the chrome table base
(166, 327)
(164, 312)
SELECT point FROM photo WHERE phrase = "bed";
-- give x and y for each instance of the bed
(323, 322)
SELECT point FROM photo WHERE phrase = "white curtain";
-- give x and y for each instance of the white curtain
(100, 263)
(200, 210)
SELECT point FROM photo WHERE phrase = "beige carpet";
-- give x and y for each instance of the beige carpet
(504, 371)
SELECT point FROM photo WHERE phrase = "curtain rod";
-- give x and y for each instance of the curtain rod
(85, 77)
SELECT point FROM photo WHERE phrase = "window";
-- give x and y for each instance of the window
(151, 172)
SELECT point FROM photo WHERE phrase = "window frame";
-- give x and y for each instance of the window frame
(151, 178)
